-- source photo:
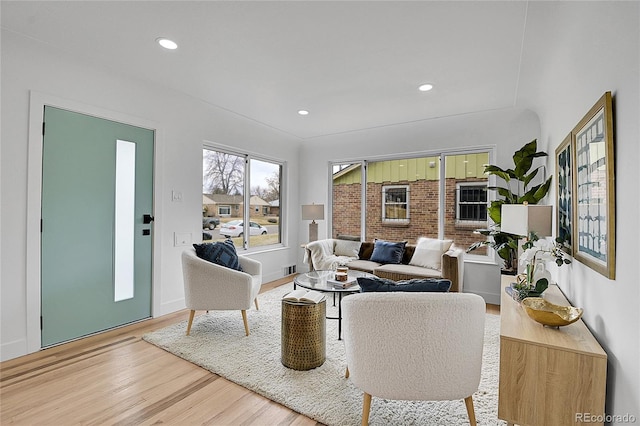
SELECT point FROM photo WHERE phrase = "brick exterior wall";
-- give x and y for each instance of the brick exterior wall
(423, 212)
(346, 209)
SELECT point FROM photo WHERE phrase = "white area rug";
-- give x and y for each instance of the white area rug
(218, 344)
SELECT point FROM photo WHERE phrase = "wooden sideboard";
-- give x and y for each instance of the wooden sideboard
(548, 376)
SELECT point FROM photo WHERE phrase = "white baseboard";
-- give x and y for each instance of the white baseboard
(13, 349)
(491, 298)
(169, 307)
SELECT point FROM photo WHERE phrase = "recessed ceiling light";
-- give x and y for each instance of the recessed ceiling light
(166, 43)
(303, 112)
(425, 87)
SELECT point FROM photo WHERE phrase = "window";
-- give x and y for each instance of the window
(471, 202)
(395, 204)
(438, 195)
(244, 193)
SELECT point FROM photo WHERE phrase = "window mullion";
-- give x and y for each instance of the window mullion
(247, 203)
(441, 196)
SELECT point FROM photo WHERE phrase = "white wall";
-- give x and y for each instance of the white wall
(183, 124)
(575, 51)
(507, 130)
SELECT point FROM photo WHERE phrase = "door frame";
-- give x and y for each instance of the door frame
(37, 102)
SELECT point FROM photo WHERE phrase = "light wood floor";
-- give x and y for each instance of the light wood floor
(117, 378)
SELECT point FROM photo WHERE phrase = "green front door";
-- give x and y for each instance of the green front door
(97, 184)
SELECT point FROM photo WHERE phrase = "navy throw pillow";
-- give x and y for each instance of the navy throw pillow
(387, 252)
(377, 284)
(220, 253)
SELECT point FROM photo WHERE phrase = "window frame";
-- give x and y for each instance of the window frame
(490, 257)
(471, 222)
(406, 203)
(246, 211)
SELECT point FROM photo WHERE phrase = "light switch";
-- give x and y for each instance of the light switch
(176, 196)
(182, 239)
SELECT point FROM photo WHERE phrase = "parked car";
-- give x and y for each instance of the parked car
(210, 222)
(235, 228)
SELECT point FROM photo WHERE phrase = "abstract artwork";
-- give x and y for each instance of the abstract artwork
(593, 190)
(564, 191)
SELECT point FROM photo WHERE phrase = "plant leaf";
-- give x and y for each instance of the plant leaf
(530, 177)
(495, 170)
(542, 191)
(541, 285)
(523, 158)
(495, 211)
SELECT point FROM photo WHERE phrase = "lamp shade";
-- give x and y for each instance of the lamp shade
(313, 212)
(521, 219)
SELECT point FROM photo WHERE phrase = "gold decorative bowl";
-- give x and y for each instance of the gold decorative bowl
(549, 314)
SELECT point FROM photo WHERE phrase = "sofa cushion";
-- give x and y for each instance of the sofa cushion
(220, 253)
(371, 284)
(387, 252)
(409, 249)
(347, 248)
(366, 249)
(363, 265)
(428, 253)
(390, 270)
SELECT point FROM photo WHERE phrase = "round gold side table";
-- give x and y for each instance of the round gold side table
(303, 334)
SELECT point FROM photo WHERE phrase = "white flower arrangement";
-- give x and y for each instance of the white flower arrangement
(543, 250)
(537, 252)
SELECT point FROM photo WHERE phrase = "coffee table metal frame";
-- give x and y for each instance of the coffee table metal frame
(321, 281)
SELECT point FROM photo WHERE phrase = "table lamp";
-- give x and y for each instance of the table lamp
(313, 212)
(521, 219)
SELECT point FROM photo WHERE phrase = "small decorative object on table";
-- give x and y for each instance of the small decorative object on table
(342, 273)
(550, 315)
(536, 280)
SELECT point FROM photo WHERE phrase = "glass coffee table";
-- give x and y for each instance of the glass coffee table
(323, 281)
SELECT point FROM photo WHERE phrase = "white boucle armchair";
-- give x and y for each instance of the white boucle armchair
(414, 346)
(210, 287)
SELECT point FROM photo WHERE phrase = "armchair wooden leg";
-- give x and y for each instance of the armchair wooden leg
(346, 373)
(366, 407)
(191, 314)
(256, 302)
(468, 401)
(246, 324)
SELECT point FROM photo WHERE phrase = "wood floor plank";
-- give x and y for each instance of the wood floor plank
(117, 378)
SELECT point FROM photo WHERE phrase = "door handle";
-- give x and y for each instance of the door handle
(147, 218)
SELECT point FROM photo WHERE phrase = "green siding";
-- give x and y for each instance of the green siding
(413, 169)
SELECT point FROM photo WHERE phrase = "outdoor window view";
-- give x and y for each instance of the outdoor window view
(240, 199)
(403, 199)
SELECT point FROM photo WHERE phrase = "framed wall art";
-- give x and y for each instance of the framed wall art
(564, 192)
(593, 227)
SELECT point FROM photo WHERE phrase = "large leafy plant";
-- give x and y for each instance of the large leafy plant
(517, 189)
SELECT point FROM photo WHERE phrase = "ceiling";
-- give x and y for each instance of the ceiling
(352, 65)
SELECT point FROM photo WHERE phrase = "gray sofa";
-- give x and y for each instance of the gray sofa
(329, 253)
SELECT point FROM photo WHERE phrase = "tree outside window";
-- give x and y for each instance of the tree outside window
(243, 189)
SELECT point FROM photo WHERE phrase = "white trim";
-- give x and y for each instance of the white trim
(407, 203)
(37, 102)
(420, 154)
(477, 223)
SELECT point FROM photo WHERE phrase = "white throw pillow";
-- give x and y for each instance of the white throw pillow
(347, 248)
(429, 251)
